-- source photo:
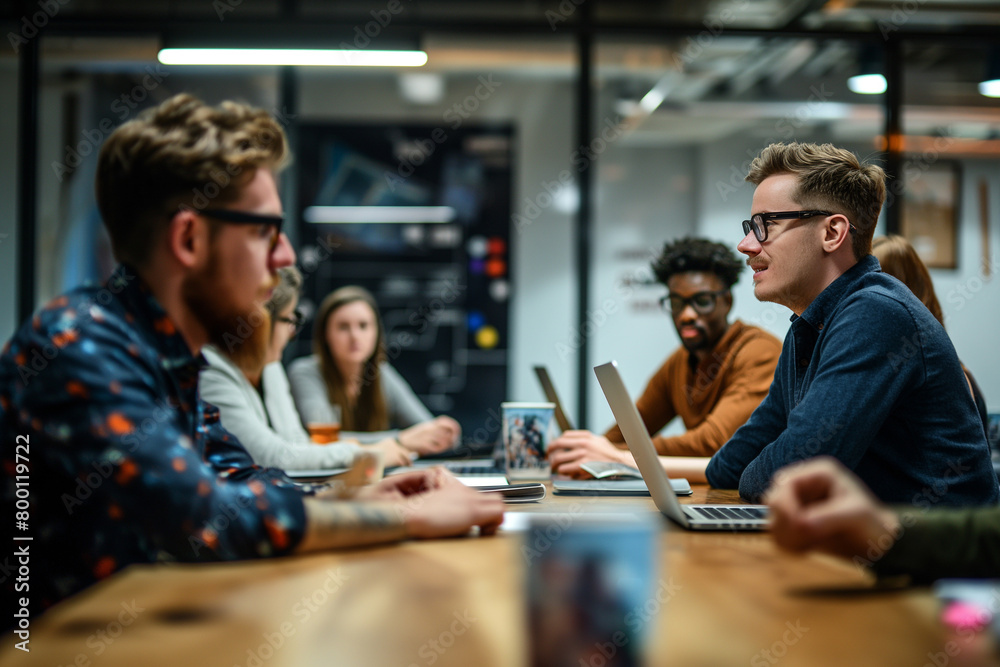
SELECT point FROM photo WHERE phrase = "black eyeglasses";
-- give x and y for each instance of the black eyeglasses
(296, 320)
(758, 223)
(702, 302)
(245, 218)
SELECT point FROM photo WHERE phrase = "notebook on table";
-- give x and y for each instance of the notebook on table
(530, 492)
(613, 487)
(692, 517)
(315, 475)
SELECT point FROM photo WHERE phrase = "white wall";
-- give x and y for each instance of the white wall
(970, 299)
(645, 197)
(543, 252)
(724, 202)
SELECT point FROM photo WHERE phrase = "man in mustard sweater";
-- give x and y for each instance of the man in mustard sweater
(713, 382)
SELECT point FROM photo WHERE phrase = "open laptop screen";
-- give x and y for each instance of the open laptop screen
(552, 397)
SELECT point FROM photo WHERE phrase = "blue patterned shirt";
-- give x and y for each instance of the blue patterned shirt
(124, 463)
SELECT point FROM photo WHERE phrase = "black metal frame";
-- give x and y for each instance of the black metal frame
(27, 166)
(584, 215)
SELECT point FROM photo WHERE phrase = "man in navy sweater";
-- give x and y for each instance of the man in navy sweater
(866, 374)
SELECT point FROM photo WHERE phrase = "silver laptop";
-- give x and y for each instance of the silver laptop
(693, 517)
(552, 397)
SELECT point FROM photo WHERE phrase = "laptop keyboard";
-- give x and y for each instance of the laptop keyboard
(467, 468)
(736, 513)
(466, 471)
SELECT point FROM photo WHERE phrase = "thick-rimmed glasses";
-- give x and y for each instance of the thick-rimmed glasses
(296, 320)
(758, 223)
(702, 302)
(246, 218)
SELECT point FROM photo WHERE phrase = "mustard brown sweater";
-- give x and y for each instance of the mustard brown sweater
(714, 398)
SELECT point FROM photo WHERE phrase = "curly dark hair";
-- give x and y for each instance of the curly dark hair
(690, 254)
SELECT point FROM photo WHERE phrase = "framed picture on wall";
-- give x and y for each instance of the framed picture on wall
(930, 213)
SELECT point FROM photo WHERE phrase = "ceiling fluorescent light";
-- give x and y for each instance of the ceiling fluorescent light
(990, 88)
(990, 85)
(651, 101)
(378, 214)
(869, 79)
(298, 57)
(867, 84)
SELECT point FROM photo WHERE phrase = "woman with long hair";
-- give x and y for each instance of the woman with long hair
(247, 382)
(348, 368)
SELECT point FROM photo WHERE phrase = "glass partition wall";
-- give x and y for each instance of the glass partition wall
(688, 116)
(488, 129)
(479, 133)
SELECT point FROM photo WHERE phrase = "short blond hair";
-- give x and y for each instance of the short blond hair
(180, 153)
(829, 178)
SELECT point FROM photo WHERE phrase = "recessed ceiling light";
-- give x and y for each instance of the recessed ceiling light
(867, 84)
(990, 88)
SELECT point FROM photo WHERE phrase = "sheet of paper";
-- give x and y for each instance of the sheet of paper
(517, 522)
(482, 480)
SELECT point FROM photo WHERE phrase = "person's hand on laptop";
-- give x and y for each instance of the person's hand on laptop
(573, 448)
(432, 436)
(821, 505)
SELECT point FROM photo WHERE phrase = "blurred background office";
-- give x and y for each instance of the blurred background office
(502, 213)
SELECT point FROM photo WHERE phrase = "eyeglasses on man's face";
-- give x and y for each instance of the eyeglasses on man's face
(758, 223)
(234, 217)
(702, 302)
(296, 320)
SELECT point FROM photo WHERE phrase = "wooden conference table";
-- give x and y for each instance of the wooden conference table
(460, 602)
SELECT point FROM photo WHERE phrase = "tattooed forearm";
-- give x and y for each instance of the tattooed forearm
(332, 524)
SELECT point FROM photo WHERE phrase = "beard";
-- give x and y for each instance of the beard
(699, 343)
(243, 336)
